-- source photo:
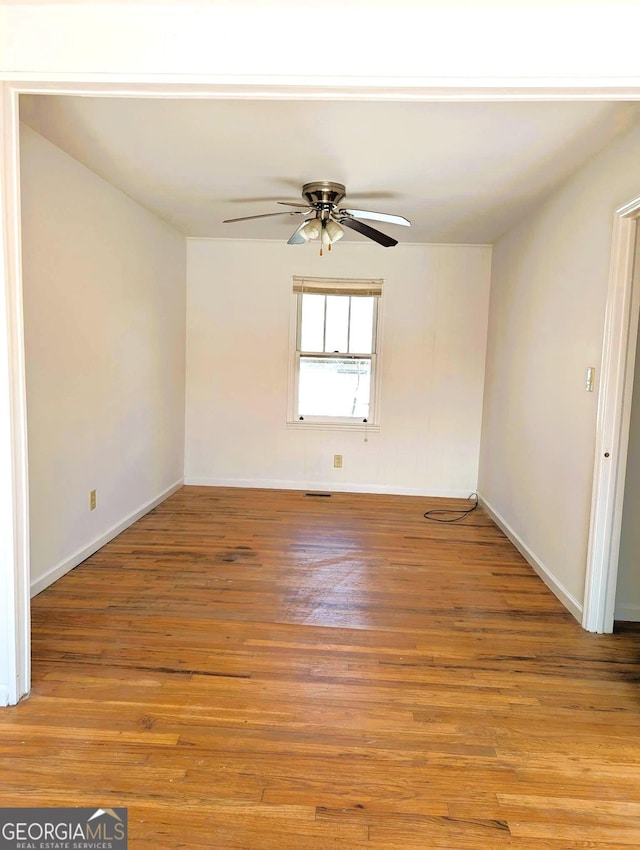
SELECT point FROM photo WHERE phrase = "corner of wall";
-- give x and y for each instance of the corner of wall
(567, 599)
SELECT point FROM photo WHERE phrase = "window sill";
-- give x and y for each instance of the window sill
(328, 425)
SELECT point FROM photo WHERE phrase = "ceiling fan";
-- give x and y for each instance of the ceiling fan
(325, 220)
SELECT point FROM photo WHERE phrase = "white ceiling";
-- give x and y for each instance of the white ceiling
(462, 172)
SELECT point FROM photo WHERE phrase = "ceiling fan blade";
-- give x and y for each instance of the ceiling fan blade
(296, 238)
(291, 204)
(377, 216)
(264, 215)
(370, 232)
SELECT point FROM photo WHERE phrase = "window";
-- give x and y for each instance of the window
(336, 351)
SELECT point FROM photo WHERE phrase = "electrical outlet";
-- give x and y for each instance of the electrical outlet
(92, 500)
(337, 461)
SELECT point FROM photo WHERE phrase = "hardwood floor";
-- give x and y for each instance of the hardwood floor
(268, 670)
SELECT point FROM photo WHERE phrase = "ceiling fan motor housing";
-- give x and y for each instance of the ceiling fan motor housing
(323, 194)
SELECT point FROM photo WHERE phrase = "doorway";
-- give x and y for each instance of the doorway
(613, 425)
(627, 600)
(16, 604)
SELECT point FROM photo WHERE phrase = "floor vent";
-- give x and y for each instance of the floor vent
(319, 495)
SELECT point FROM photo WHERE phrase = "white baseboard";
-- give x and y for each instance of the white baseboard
(568, 600)
(81, 555)
(4, 696)
(330, 486)
(627, 613)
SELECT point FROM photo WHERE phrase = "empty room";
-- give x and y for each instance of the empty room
(325, 406)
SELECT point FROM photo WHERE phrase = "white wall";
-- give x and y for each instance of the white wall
(104, 301)
(434, 311)
(549, 287)
(409, 42)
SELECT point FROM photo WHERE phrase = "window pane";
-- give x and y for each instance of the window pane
(337, 323)
(361, 336)
(312, 324)
(334, 387)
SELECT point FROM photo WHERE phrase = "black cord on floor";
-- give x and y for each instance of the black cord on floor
(459, 514)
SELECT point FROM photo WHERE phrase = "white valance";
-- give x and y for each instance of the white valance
(337, 286)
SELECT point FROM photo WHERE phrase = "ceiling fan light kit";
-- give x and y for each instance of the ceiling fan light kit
(310, 230)
(326, 220)
(332, 232)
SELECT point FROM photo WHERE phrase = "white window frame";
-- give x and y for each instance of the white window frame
(334, 286)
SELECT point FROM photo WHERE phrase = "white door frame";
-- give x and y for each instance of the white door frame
(612, 428)
(15, 619)
(14, 497)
